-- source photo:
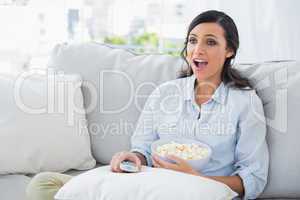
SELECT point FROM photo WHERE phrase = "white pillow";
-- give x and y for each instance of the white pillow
(150, 184)
(42, 123)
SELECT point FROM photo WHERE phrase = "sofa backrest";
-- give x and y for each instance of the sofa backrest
(116, 86)
(118, 83)
(277, 85)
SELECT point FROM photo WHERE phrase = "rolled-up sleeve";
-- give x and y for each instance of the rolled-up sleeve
(251, 153)
(145, 132)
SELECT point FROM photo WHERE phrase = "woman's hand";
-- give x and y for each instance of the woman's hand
(121, 156)
(180, 164)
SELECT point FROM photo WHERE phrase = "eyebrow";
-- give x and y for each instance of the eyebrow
(211, 35)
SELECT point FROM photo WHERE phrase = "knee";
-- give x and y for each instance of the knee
(42, 186)
(41, 180)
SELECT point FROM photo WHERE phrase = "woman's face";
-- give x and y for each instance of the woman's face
(207, 52)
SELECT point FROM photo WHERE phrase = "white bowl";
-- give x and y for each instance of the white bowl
(195, 164)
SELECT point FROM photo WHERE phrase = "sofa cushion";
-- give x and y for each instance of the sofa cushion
(149, 184)
(43, 124)
(277, 84)
(13, 187)
(117, 83)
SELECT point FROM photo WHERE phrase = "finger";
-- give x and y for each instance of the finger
(176, 159)
(116, 164)
(163, 163)
(112, 162)
(155, 164)
(121, 156)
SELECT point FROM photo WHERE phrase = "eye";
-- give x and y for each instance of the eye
(192, 40)
(211, 42)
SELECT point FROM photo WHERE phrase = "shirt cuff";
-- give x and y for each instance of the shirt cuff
(248, 184)
(144, 153)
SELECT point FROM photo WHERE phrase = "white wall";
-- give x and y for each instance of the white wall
(269, 29)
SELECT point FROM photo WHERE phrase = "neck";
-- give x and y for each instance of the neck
(204, 89)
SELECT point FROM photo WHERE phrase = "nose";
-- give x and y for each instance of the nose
(199, 49)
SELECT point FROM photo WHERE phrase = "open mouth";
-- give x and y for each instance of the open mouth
(200, 63)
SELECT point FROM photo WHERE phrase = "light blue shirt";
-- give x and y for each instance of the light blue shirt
(232, 122)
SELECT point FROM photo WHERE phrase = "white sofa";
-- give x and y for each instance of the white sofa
(123, 80)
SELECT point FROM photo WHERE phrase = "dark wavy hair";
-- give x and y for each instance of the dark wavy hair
(229, 75)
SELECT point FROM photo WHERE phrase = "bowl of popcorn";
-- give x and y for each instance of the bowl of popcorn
(196, 153)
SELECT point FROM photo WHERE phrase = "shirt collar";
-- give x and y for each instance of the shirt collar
(218, 96)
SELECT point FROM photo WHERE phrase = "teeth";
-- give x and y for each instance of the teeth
(199, 60)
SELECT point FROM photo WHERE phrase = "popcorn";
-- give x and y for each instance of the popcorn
(184, 151)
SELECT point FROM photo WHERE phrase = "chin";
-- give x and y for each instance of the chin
(205, 75)
(200, 75)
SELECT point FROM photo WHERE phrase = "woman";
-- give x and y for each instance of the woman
(213, 99)
(210, 92)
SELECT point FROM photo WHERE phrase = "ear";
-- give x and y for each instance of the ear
(229, 53)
